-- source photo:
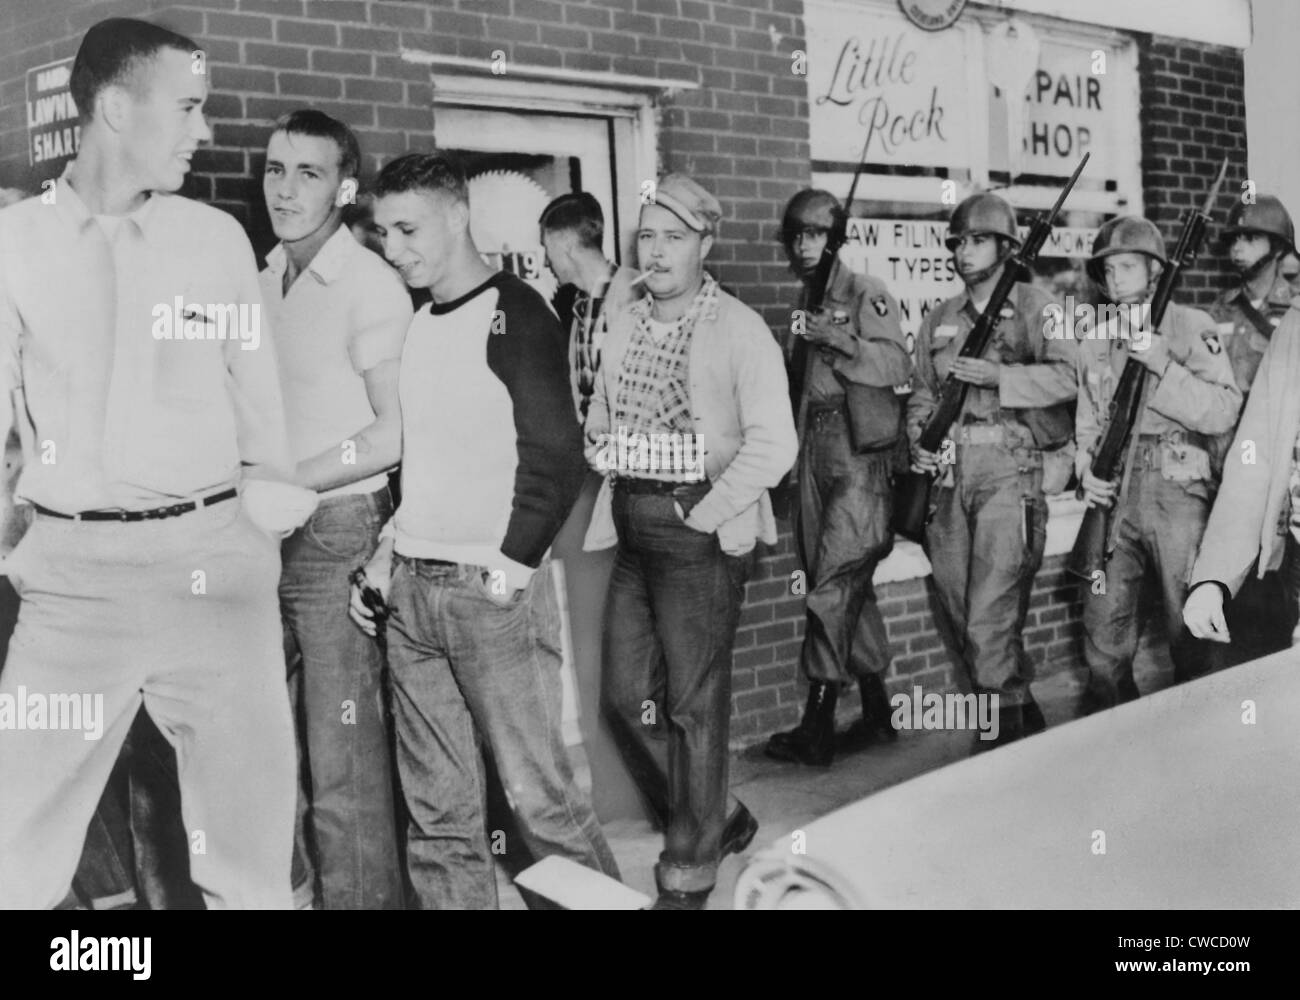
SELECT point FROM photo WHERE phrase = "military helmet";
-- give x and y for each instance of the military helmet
(982, 213)
(1267, 216)
(806, 203)
(1125, 234)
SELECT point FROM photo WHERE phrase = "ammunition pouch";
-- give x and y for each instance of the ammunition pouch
(875, 416)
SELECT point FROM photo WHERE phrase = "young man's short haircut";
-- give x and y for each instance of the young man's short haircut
(319, 125)
(113, 52)
(423, 171)
(578, 212)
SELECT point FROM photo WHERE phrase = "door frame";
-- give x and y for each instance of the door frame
(630, 103)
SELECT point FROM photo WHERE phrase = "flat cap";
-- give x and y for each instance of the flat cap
(689, 202)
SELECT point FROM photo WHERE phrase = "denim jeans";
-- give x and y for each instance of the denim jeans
(342, 729)
(466, 671)
(670, 621)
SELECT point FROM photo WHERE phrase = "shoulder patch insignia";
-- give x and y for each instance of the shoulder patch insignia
(1212, 343)
(880, 305)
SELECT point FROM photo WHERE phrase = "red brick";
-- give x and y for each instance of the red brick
(343, 63)
(757, 657)
(754, 701)
(307, 32)
(591, 17)
(383, 91)
(503, 30)
(275, 56)
(372, 39)
(241, 26)
(310, 85)
(400, 15)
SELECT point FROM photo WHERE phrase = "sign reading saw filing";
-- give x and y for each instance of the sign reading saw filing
(53, 134)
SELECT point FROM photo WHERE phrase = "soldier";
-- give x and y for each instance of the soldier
(988, 519)
(1163, 500)
(1257, 238)
(844, 496)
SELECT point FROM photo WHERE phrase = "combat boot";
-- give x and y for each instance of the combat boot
(812, 742)
(875, 725)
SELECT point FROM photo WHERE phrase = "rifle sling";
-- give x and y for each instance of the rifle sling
(1256, 318)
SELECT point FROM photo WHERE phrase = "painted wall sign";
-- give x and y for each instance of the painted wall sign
(53, 134)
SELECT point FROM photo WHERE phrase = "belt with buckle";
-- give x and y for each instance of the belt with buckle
(635, 484)
(156, 514)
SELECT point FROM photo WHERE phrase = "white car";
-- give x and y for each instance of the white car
(1186, 798)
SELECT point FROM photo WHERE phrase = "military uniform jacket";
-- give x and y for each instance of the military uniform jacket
(1242, 341)
(1035, 371)
(1197, 393)
(881, 359)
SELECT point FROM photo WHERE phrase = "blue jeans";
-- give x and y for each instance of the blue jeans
(670, 622)
(466, 670)
(343, 733)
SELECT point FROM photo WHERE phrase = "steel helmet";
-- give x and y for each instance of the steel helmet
(982, 213)
(1125, 234)
(808, 203)
(1267, 216)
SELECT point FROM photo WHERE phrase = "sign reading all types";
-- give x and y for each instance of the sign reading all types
(909, 255)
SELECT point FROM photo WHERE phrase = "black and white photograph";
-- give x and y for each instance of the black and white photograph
(651, 454)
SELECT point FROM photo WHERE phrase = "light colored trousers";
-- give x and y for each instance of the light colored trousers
(181, 613)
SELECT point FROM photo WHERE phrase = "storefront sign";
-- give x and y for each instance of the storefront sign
(53, 134)
(909, 255)
(875, 80)
(1068, 109)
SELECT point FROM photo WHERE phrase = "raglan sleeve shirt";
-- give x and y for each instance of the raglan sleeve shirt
(530, 361)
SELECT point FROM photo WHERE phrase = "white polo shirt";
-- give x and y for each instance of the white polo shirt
(346, 313)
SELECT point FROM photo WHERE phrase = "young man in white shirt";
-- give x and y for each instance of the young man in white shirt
(340, 316)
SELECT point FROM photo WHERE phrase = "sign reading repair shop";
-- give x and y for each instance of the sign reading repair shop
(875, 79)
(53, 134)
(910, 256)
(1077, 100)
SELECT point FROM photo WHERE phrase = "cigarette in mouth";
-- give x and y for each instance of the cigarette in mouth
(641, 277)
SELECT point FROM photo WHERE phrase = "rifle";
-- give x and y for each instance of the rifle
(814, 295)
(1089, 555)
(912, 489)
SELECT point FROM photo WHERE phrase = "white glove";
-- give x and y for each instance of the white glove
(277, 508)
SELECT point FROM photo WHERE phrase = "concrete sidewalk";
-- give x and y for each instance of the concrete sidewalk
(786, 797)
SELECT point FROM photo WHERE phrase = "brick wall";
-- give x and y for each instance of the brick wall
(1193, 102)
(743, 134)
